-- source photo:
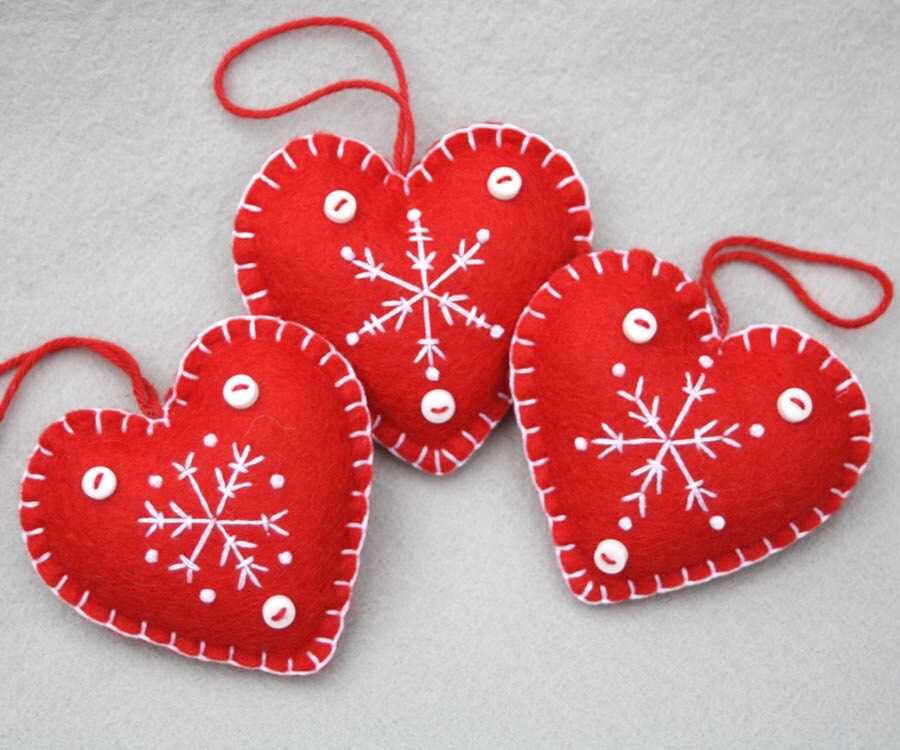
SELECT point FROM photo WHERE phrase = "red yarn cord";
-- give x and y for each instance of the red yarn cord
(716, 257)
(404, 144)
(144, 392)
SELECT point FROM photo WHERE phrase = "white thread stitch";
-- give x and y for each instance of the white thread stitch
(442, 151)
(665, 443)
(521, 372)
(174, 642)
(211, 520)
(424, 292)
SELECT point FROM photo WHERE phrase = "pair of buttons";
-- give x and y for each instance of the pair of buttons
(640, 327)
(340, 206)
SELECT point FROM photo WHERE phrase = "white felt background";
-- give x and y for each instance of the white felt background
(118, 179)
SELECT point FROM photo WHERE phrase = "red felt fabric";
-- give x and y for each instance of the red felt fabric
(309, 426)
(576, 375)
(289, 262)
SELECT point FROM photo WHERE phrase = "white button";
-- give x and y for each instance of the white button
(504, 183)
(277, 481)
(155, 481)
(279, 611)
(99, 483)
(610, 556)
(151, 556)
(794, 405)
(438, 406)
(207, 596)
(717, 523)
(639, 326)
(340, 206)
(240, 391)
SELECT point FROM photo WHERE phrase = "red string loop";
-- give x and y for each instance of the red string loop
(716, 257)
(404, 144)
(144, 392)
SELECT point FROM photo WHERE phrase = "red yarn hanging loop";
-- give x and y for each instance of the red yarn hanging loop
(716, 257)
(404, 144)
(144, 392)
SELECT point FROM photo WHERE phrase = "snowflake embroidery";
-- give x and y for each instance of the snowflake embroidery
(671, 449)
(424, 293)
(212, 524)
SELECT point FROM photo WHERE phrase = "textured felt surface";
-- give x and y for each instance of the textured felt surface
(120, 179)
(422, 287)
(230, 528)
(664, 454)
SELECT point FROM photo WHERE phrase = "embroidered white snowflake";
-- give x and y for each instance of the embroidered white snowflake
(211, 522)
(424, 294)
(672, 448)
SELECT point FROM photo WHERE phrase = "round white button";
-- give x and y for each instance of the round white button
(504, 183)
(438, 406)
(240, 391)
(207, 596)
(99, 483)
(794, 405)
(610, 556)
(639, 326)
(279, 611)
(340, 206)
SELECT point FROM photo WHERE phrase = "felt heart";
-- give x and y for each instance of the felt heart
(227, 530)
(664, 454)
(419, 278)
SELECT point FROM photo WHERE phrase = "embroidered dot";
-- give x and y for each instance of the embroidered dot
(706, 362)
(99, 483)
(352, 338)
(340, 206)
(611, 556)
(581, 444)
(414, 214)
(639, 326)
(285, 558)
(625, 523)
(757, 430)
(155, 480)
(151, 556)
(210, 440)
(347, 253)
(432, 374)
(795, 405)
(277, 481)
(207, 596)
(504, 183)
(240, 391)
(278, 611)
(483, 235)
(496, 331)
(717, 523)
(618, 370)
(438, 406)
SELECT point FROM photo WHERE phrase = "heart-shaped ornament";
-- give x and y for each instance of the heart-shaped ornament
(418, 278)
(666, 455)
(227, 530)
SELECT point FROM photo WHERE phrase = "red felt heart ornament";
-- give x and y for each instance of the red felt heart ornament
(666, 454)
(417, 278)
(229, 528)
